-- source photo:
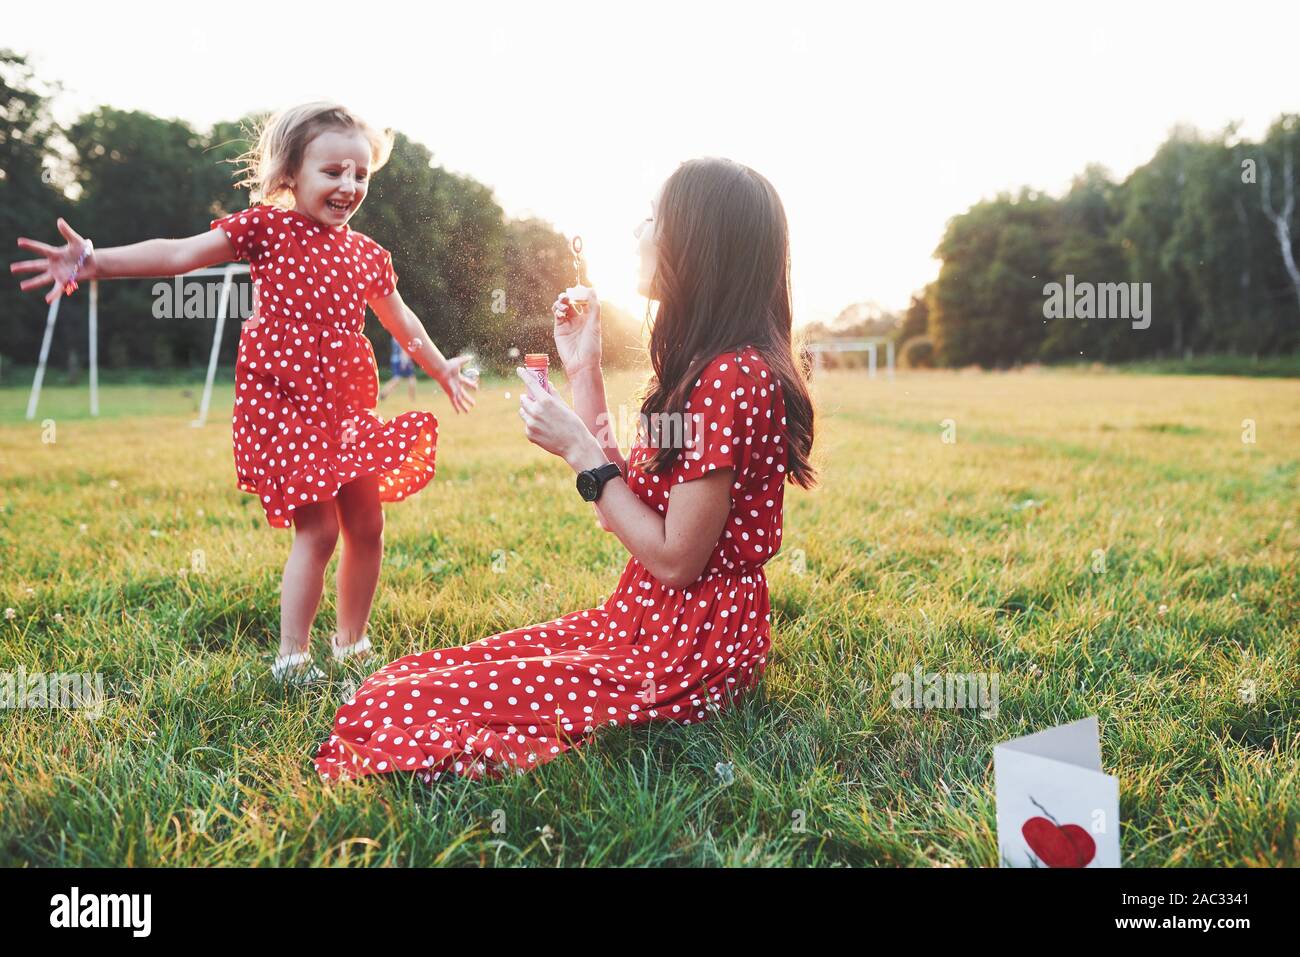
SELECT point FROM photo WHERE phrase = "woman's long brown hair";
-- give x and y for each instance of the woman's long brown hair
(723, 282)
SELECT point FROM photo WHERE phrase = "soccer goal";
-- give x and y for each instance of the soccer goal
(869, 346)
(228, 274)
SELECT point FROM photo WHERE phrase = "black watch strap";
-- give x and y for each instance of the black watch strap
(592, 481)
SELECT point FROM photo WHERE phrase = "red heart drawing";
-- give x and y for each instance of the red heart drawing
(1066, 845)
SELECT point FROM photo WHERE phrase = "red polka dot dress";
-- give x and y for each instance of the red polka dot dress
(306, 383)
(650, 653)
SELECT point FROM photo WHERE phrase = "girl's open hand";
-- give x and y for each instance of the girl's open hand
(577, 335)
(458, 386)
(56, 265)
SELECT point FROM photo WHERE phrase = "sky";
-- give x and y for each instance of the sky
(875, 122)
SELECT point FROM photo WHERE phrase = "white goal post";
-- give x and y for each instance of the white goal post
(227, 272)
(869, 346)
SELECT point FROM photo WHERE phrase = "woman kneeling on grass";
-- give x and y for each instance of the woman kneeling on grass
(688, 626)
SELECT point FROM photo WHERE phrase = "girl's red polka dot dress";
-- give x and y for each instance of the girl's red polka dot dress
(306, 383)
(518, 699)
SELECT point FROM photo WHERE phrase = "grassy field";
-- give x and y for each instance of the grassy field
(127, 550)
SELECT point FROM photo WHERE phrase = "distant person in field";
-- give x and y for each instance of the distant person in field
(688, 626)
(403, 369)
(307, 440)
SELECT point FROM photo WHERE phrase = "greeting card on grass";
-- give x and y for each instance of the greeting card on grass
(1056, 808)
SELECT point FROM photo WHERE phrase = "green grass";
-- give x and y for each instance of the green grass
(971, 556)
(1283, 365)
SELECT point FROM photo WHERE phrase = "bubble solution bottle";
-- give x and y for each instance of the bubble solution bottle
(538, 363)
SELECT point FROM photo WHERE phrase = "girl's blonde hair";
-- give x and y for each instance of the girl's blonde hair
(269, 167)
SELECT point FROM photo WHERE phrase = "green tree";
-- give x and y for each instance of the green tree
(1218, 243)
(1155, 195)
(1279, 189)
(1089, 251)
(28, 198)
(142, 177)
(447, 236)
(916, 319)
(987, 306)
(538, 267)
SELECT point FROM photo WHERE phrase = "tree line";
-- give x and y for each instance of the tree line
(478, 280)
(1208, 227)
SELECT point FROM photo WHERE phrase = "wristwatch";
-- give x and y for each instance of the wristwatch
(592, 481)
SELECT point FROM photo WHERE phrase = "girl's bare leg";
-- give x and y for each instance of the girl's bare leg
(316, 531)
(361, 519)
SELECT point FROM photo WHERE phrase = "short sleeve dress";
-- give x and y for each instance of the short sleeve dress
(649, 653)
(306, 383)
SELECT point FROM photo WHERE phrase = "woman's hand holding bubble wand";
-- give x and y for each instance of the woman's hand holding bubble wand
(577, 321)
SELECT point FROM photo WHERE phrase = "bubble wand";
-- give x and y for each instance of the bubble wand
(579, 294)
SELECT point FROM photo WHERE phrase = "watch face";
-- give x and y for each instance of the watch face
(587, 486)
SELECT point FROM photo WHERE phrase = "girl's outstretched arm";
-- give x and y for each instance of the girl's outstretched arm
(153, 257)
(405, 326)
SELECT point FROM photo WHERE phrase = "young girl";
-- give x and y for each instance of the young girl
(307, 441)
(688, 624)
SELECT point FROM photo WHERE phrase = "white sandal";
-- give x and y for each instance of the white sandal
(296, 669)
(360, 647)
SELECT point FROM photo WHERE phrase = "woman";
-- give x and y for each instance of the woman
(688, 625)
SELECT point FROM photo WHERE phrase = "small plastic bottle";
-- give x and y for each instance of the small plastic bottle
(538, 363)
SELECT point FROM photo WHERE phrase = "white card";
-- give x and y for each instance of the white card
(1055, 806)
